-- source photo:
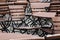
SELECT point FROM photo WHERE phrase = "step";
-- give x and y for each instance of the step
(21, 2)
(53, 37)
(3, 6)
(2, 0)
(18, 36)
(6, 12)
(56, 18)
(55, 5)
(5, 3)
(57, 28)
(40, 5)
(45, 14)
(4, 9)
(15, 17)
(11, 0)
(12, 3)
(57, 31)
(38, 10)
(15, 0)
(56, 24)
(17, 14)
(58, 10)
(34, 0)
(16, 6)
(55, 2)
(54, 8)
(16, 10)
